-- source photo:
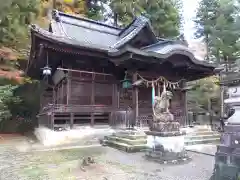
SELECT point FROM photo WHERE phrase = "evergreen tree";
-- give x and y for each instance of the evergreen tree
(216, 23)
(206, 19)
(164, 15)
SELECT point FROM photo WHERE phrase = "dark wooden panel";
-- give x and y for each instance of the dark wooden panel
(103, 94)
(80, 93)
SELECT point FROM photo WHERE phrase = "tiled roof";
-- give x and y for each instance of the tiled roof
(82, 29)
(82, 32)
(67, 40)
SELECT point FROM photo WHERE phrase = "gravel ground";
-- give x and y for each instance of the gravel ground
(110, 165)
(200, 168)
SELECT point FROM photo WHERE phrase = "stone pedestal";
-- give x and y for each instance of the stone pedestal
(166, 147)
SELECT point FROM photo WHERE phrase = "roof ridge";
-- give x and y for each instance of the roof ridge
(56, 13)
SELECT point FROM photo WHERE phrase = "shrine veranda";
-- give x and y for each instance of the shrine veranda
(101, 74)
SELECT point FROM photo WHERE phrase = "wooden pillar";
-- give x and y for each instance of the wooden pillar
(52, 121)
(92, 119)
(54, 96)
(62, 92)
(112, 118)
(184, 93)
(58, 89)
(118, 96)
(71, 120)
(114, 96)
(135, 100)
(92, 101)
(68, 87)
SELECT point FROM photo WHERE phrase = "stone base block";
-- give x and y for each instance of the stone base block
(171, 143)
(166, 149)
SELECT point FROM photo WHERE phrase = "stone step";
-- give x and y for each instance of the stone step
(130, 136)
(199, 137)
(127, 141)
(123, 146)
(202, 141)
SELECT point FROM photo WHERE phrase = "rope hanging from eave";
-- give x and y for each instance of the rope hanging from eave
(162, 79)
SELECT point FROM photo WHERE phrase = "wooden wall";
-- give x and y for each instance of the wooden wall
(104, 90)
(85, 89)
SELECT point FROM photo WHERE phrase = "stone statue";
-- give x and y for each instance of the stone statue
(163, 119)
(161, 148)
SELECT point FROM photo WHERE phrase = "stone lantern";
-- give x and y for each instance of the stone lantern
(227, 157)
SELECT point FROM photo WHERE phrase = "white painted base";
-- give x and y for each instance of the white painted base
(48, 137)
(173, 143)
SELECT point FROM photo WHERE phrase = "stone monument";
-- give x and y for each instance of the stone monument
(165, 142)
(227, 157)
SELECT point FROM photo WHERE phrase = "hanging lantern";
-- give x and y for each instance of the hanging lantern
(47, 71)
(126, 83)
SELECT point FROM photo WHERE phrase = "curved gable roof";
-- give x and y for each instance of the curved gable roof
(167, 48)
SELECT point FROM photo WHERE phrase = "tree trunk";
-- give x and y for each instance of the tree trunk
(207, 44)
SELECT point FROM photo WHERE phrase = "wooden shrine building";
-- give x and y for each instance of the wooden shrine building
(93, 67)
